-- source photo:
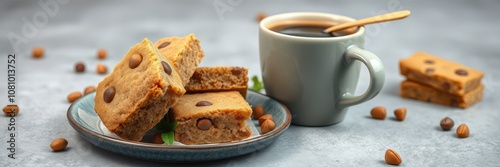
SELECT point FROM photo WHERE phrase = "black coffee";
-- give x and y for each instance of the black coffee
(305, 31)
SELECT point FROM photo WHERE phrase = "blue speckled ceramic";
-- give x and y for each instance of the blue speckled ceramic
(87, 123)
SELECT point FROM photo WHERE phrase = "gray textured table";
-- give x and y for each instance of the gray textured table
(467, 32)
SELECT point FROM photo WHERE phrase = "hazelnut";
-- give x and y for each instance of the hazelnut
(59, 144)
(73, 96)
(267, 126)
(378, 112)
(258, 111)
(265, 117)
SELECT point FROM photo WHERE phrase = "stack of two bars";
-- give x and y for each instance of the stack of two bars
(432, 79)
(153, 78)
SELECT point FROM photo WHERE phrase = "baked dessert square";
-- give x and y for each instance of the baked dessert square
(137, 94)
(440, 74)
(421, 92)
(185, 54)
(216, 79)
(211, 117)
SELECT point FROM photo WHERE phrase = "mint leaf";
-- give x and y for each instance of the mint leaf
(257, 84)
(171, 126)
(162, 125)
(168, 137)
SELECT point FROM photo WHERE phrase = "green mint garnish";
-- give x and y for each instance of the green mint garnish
(171, 126)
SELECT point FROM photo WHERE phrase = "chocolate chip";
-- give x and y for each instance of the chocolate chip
(134, 61)
(184, 137)
(454, 102)
(164, 44)
(429, 61)
(429, 70)
(166, 67)
(446, 86)
(203, 103)
(461, 72)
(236, 71)
(80, 67)
(109, 94)
(204, 124)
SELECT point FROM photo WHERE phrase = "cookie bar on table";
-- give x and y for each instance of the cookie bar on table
(215, 79)
(421, 92)
(440, 74)
(137, 94)
(185, 54)
(211, 117)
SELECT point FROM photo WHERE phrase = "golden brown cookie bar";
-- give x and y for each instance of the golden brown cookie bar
(441, 74)
(137, 94)
(185, 54)
(417, 91)
(211, 118)
(216, 79)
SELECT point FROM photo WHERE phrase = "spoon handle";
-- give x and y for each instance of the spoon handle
(370, 20)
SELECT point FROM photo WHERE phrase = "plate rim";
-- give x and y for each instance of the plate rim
(138, 144)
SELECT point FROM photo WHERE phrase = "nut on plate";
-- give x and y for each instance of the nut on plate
(11, 110)
(267, 126)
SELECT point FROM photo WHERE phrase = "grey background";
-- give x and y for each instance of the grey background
(463, 31)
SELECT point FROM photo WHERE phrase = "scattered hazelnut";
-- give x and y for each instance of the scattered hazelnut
(261, 16)
(102, 54)
(59, 144)
(101, 68)
(392, 157)
(80, 67)
(73, 96)
(463, 131)
(400, 113)
(88, 89)
(11, 110)
(38, 52)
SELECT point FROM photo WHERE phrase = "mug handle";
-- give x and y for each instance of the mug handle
(377, 76)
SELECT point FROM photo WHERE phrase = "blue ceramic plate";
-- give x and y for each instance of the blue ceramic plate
(82, 117)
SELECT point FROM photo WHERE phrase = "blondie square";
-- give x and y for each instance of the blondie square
(185, 54)
(421, 92)
(137, 94)
(440, 74)
(211, 118)
(215, 79)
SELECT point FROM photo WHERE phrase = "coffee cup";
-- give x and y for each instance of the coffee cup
(315, 75)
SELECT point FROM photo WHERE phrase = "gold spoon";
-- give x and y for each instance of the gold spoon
(370, 20)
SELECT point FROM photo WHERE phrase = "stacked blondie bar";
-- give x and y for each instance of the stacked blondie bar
(433, 79)
(208, 103)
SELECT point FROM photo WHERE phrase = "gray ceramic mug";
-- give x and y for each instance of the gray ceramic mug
(316, 77)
